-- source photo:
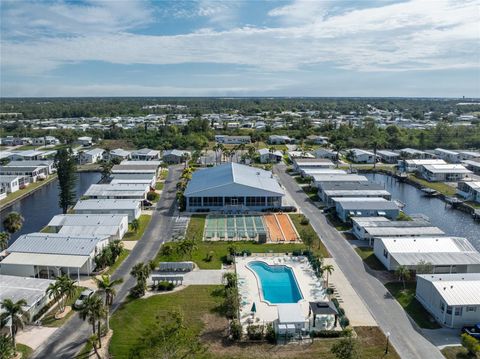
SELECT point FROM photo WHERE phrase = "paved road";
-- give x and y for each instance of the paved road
(70, 338)
(390, 316)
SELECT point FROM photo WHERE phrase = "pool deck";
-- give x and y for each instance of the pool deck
(310, 287)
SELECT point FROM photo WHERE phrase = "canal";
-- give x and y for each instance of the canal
(452, 222)
(38, 208)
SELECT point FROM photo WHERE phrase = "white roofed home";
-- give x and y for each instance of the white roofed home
(414, 164)
(388, 156)
(91, 156)
(444, 254)
(412, 153)
(175, 156)
(330, 190)
(130, 207)
(443, 173)
(47, 255)
(302, 163)
(452, 299)
(361, 156)
(144, 178)
(146, 154)
(267, 156)
(279, 139)
(119, 153)
(233, 187)
(447, 155)
(112, 225)
(118, 191)
(10, 183)
(347, 207)
(469, 190)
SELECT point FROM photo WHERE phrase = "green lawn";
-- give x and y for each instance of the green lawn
(144, 220)
(164, 174)
(50, 321)
(457, 352)
(120, 259)
(25, 350)
(136, 316)
(438, 186)
(319, 248)
(337, 223)
(32, 186)
(366, 253)
(159, 186)
(412, 306)
(195, 227)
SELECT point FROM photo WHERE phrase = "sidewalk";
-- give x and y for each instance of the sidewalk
(34, 336)
(354, 307)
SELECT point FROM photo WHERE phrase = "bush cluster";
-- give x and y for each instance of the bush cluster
(165, 286)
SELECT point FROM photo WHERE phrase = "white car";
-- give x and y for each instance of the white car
(87, 293)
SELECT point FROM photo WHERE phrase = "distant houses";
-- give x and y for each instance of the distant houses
(175, 156)
(267, 156)
(443, 172)
(232, 140)
(470, 190)
(279, 140)
(388, 156)
(119, 154)
(145, 154)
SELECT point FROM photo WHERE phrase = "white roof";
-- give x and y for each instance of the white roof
(447, 168)
(388, 153)
(120, 152)
(359, 152)
(322, 171)
(426, 244)
(266, 151)
(420, 162)
(441, 150)
(456, 289)
(16, 288)
(112, 189)
(339, 178)
(404, 231)
(94, 204)
(42, 259)
(233, 179)
(89, 231)
(95, 151)
(290, 313)
(96, 220)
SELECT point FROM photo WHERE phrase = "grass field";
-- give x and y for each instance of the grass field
(144, 220)
(367, 255)
(412, 306)
(219, 249)
(437, 186)
(337, 223)
(31, 187)
(319, 248)
(25, 350)
(50, 321)
(135, 317)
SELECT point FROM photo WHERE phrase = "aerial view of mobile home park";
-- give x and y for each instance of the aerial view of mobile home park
(265, 179)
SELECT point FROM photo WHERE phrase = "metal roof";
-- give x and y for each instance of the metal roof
(135, 168)
(456, 289)
(320, 171)
(266, 151)
(359, 152)
(208, 181)
(16, 288)
(178, 153)
(447, 168)
(357, 192)
(120, 152)
(290, 313)
(95, 151)
(96, 220)
(388, 153)
(449, 152)
(404, 231)
(427, 244)
(339, 178)
(112, 189)
(133, 176)
(8, 178)
(355, 186)
(104, 203)
(54, 243)
(437, 258)
(146, 151)
(42, 259)
(366, 203)
(369, 222)
(29, 163)
(93, 231)
(421, 162)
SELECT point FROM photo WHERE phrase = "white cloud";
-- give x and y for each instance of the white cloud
(414, 35)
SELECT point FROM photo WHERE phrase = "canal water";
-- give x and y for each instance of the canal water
(39, 208)
(453, 222)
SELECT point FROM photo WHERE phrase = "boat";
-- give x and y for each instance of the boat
(429, 192)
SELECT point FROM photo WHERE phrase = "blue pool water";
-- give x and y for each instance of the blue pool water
(277, 282)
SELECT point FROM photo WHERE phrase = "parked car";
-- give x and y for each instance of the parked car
(472, 331)
(146, 203)
(87, 293)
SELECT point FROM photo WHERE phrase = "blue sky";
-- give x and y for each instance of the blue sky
(426, 48)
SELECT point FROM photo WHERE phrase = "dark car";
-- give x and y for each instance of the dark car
(146, 203)
(472, 331)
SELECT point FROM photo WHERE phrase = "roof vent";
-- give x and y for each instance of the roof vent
(258, 173)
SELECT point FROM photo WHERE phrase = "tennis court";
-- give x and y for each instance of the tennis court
(234, 227)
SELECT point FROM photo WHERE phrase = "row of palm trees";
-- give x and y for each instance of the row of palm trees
(222, 152)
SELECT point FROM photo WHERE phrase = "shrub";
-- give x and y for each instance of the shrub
(165, 286)
(138, 291)
(228, 259)
(335, 301)
(209, 256)
(235, 330)
(246, 252)
(304, 220)
(297, 253)
(152, 196)
(327, 334)
(255, 332)
(270, 334)
(471, 344)
(330, 290)
(344, 322)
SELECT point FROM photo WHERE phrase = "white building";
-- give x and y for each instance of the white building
(445, 254)
(85, 141)
(145, 154)
(469, 190)
(473, 165)
(10, 184)
(412, 153)
(452, 299)
(364, 207)
(388, 156)
(92, 156)
(118, 191)
(414, 165)
(137, 169)
(447, 155)
(325, 153)
(469, 155)
(232, 140)
(175, 156)
(97, 225)
(329, 190)
(444, 173)
(270, 157)
(303, 163)
(144, 178)
(130, 207)
(361, 156)
(46, 140)
(32, 290)
(279, 140)
(47, 255)
(233, 187)
(311, 172)
(118, 153)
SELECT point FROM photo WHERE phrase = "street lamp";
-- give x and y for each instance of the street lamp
(386, 347)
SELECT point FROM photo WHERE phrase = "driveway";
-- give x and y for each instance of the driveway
(390, 316)
(70, 338)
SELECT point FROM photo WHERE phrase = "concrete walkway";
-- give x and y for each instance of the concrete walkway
(204, 277)
(356, 311)
(34, 336)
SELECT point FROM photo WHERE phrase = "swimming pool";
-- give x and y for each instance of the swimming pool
(277, 283)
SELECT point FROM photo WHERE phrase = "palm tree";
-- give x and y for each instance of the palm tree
(140, 272)
(67, 289)
(251, 152)
(403, 274)
(4, 237)
(187, 246)
(93, 310)
(337, 147)
(107, 285)
(135, 225)
(13, 222)
(13, 311)
(376, 143)
(54, 291)
(328, 268)
(92, 340)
